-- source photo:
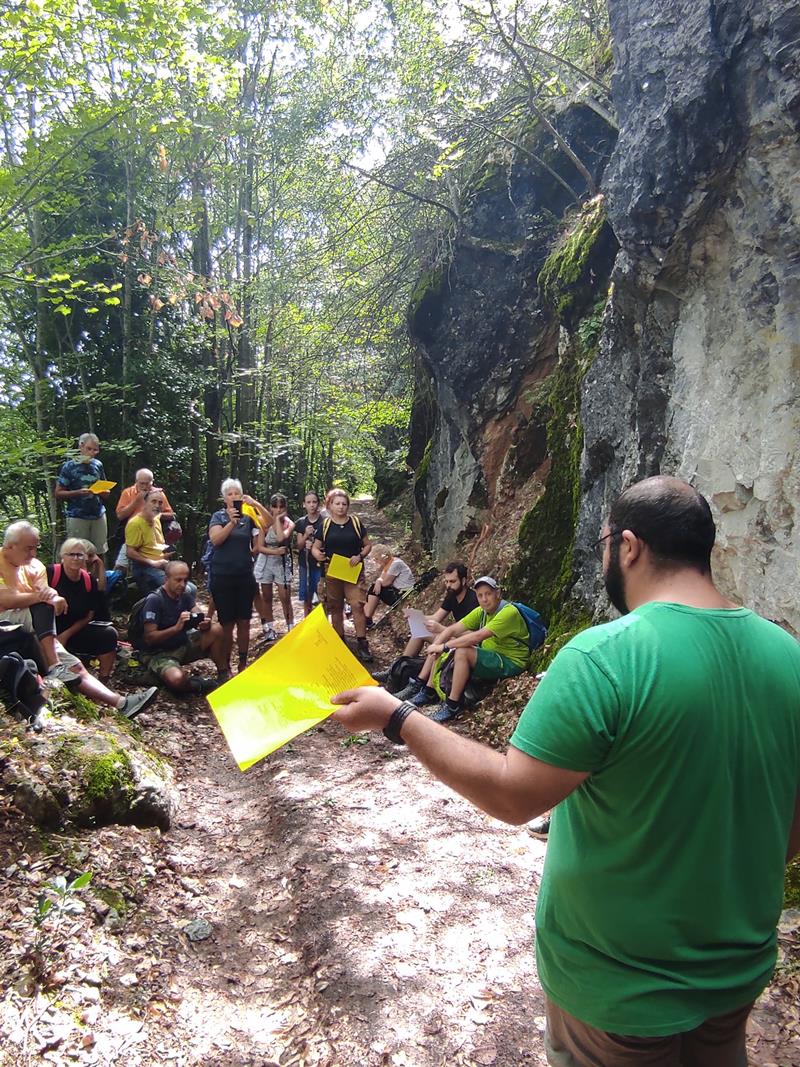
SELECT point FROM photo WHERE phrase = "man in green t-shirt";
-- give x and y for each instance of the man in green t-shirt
(489, 642)
(668, 743)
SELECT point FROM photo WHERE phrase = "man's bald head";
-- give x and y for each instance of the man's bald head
(671, 517)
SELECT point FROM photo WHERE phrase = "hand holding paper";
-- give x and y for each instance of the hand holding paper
(101, 487)
(416, 620)
(340, 567)
(287, 690)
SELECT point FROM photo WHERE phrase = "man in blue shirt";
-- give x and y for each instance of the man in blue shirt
(86, 513)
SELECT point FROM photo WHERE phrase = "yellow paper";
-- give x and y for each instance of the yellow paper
(102, 487)
(339, 567)
(250, 511)
(287, 690)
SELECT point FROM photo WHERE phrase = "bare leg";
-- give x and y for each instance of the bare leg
(427, 667)
(337, 619)
(107, 662)
(284, 595)
(359, 621)
(94, 689)
(213, 642)
(243, 640)
(267, 613)
(371, 605)
(465, 660)
(414, 646)
(227, 644)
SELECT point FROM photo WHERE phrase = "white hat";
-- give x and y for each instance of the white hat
(485, 580)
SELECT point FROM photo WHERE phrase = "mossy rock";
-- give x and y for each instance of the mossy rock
(86, 773)
(562, 273)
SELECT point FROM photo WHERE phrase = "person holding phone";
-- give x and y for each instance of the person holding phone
(232, 585)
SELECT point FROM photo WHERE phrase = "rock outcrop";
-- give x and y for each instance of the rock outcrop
(698, 371)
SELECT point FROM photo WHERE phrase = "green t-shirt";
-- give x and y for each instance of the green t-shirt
(664, 874)
(510, 632)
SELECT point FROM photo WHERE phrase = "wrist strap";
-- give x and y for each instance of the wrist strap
(395, 724)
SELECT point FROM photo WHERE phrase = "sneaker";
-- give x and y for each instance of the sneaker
(51, 683)
(410, 690)
(268, 630)
(540, 828)
(370, 623)
(364, 653)
(424, 696)
(382, 676)
(63, 673)
(443, 712)
(136, 702)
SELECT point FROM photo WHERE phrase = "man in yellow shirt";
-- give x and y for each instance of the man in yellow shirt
(145, 545)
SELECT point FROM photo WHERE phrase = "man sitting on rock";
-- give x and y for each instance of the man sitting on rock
(27, 600)
(175, 634)
(490, 642)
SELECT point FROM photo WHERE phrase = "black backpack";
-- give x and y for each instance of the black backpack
(136, 624)
(402, 671)
(19, 680)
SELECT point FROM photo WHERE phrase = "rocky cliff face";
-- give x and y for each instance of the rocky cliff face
(699, 366)
(535, 427)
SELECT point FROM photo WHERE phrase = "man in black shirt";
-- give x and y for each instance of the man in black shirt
(178, 635)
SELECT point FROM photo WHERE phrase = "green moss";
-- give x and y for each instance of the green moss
(113, 898)
(109, 775)
(427, 291)
(65, 702)
(791, 892)
(421, 472)
(563, 269)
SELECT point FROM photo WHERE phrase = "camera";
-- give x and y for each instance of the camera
(195, 619)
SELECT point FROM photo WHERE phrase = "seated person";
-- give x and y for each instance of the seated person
(131, 503)
(174, 634)
(147, 552)
(490, 642)
(27, 599)
(85, 628)
(394, 579)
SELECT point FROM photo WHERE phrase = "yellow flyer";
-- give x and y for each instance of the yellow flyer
(339, 567)
(287, 690)
(250, 511)
(102, 487)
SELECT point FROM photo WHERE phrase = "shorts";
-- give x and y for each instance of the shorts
(191, 650)
(273, 570)
(95, 639)
(389, 595)
(94, 530)
(337, 591)
(309, 580)
(233, 596)
(490, 665)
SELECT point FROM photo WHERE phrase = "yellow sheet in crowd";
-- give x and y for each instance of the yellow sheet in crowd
(249, 510)
(339, 567)
(102, 487)
(287, 690)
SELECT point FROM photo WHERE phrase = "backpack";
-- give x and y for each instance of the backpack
(136, 624)
(326, 525)
(401, 672)
(537, 631)
(208, 554)
(20, 680)
(87, 581)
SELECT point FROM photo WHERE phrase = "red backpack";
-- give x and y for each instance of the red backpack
(87, 581)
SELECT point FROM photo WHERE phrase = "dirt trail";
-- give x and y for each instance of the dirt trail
(358, 913)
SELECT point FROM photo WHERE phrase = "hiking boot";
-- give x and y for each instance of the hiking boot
(382, 676)
(424, 696)
(443, 712)
(137, 702)
(364, 653)
(223, 677)
(201, 686)
(540, 828)
(411, 690)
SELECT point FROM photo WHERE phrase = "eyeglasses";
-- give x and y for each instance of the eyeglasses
(76, 555)
(599, 545)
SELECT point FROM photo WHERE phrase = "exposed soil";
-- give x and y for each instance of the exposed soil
(358, 913)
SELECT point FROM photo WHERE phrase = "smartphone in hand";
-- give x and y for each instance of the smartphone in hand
(237, 507)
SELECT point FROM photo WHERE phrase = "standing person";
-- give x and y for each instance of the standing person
(274, 565)
(344, 534)
(131, 503)
(394, 579)
(146, 550)
(233, 586)
(86, 513)
(668, 743)
(85, 628)
(307, 530)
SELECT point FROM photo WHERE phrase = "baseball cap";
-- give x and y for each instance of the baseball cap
(485, 580)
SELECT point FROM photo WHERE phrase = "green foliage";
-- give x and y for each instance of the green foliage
(791, 894)
(108, 776)
(58, 901)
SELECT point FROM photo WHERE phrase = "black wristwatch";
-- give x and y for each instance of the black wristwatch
(395, 724)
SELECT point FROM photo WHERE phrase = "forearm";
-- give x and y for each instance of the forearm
(13, 600)
(475, 772)
(465, 640)
(66, 635)
(158, 637)
(137, 557)
(125, 511)
(218, 535)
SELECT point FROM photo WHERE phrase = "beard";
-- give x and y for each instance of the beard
(613, 580)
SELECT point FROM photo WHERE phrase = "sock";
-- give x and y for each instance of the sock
(454, 704)
(121, 703)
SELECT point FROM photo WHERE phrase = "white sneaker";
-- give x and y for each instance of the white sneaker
(269, 632)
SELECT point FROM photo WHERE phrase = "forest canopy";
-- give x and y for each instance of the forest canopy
(213, 218)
